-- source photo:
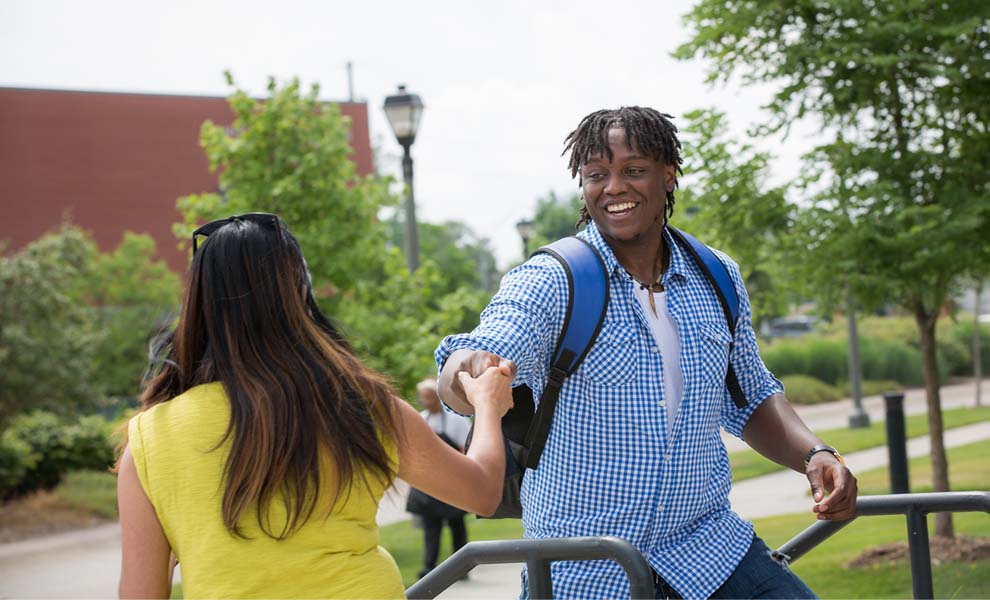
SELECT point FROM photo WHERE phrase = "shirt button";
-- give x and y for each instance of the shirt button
(667, 457)
(659, 507)
(655, 350)
(663, 404)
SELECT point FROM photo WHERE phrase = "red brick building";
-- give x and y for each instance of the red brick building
(113, 162)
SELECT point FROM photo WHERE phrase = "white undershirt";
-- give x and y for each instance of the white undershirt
(664, 332)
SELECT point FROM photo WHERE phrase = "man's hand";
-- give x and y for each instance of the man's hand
(472, 362)
(829, 476)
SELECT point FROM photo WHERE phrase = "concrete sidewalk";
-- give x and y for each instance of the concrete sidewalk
(86, 563)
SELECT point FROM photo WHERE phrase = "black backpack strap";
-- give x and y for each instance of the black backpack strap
(585, 271)
(718, 277)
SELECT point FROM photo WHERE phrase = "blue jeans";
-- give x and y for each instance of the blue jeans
(758, 575)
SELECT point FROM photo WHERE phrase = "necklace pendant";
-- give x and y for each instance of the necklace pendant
(653, 304)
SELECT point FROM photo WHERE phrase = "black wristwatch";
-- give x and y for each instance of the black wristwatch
(822, 448)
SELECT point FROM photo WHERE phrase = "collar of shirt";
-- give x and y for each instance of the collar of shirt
(678, 261)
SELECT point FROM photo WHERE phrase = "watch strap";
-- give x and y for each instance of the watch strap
(822, 448)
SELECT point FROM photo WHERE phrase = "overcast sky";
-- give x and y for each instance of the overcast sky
(502, 83)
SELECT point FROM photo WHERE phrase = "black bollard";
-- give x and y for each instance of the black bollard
(896, 443)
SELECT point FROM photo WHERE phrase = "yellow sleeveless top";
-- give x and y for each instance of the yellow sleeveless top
(181, 470)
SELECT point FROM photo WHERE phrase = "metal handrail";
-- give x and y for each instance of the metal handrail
(538, 554)
(916, 508)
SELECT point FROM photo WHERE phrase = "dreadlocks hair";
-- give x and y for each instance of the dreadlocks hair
(650, 130)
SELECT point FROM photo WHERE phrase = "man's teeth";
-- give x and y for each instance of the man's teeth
(614, 208)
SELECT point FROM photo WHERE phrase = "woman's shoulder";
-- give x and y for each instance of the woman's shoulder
(197, 402)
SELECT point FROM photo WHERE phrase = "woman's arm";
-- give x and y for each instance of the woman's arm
(146, 565)
(473, 481)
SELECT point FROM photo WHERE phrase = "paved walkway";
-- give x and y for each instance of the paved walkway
(86, 563)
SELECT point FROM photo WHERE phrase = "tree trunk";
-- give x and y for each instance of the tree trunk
(926, 321)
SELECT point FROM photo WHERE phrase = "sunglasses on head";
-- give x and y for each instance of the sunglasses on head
(258, 218)
(266, 219)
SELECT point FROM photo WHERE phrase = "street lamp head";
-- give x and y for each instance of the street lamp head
(404, 110)
(525, 229)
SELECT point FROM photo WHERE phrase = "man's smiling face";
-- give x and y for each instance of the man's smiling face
(626, 196)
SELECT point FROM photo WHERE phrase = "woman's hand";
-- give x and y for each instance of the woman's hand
(475, 363)
(472, 481)
(489, 391)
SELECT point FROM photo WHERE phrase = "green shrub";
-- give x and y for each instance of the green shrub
(59, 447)
(826, 359)
(16, 459)
(898, 350)
(955, 357)
(892, 361)
(90, 443)
(961, 333)
(822, 358)
(801, 389)
(46, 436)
(896, 330)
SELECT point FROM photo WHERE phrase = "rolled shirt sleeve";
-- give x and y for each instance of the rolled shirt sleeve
(756, 381)
(522, 321)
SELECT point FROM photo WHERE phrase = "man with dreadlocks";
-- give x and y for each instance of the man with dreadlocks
(634, 450)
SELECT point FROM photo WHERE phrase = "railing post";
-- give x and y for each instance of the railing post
(921, 559)
(540, 584)
(896, 443)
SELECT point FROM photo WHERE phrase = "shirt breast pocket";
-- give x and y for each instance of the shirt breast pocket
(713, 350)
(612, 360)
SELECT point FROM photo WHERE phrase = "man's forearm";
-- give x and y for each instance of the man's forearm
(777, 432)
(449, 388)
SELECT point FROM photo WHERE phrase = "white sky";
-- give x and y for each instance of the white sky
(503, 83)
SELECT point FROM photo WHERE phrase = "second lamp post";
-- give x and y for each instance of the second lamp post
(404, 111)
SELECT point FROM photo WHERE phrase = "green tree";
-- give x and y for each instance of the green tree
(135, 295)
(75, 322)
(47, 337)
(462, 257)
(555, 217)
(901, 210)
(288, 154)
(726, 201)
(397, 322)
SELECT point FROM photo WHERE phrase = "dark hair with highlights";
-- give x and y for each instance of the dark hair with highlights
(299, 397)
(647, 129)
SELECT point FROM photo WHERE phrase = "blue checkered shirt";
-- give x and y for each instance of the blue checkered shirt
(609, 467)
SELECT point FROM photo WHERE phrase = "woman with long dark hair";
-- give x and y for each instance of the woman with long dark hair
(264, 445)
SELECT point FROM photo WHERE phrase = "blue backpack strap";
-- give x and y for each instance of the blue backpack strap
(718, 276)
(585, 271)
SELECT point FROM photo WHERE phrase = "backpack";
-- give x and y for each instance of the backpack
(525, 430)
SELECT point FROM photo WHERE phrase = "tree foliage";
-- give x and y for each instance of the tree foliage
(901, 195)
(75, 322)
(288, 154)
(135, 295)
(555, 217)
(726, 201)
(463, 259)
(47, 337)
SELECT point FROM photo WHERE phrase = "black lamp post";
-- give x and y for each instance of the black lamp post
(526, 230)
(404, 111)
